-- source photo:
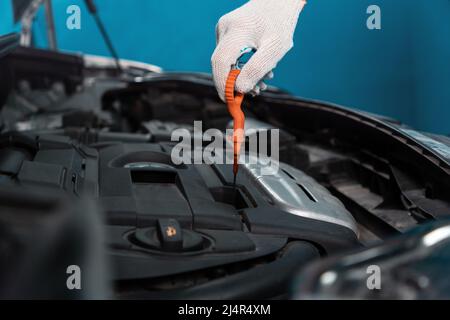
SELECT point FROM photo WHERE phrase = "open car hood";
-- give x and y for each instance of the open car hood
(87, 175)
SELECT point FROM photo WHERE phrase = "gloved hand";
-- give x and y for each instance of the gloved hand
(266, 25)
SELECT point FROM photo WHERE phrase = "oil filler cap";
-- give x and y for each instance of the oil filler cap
(168, 236)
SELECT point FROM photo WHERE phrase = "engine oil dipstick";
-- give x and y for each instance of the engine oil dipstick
(234, 102)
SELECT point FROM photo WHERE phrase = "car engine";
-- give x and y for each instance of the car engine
(87, 179)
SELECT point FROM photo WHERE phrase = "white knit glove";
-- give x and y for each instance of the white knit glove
(266, 25)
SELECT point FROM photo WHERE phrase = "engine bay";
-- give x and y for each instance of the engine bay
(85, 164)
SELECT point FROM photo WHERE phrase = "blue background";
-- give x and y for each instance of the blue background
(402, 70)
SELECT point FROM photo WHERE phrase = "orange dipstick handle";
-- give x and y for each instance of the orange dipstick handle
(234, 102)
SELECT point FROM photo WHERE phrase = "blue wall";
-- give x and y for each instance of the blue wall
(6, 18)
(401, 71)
(431, 47)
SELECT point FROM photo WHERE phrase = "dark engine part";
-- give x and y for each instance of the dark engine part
(43, 236)
(411, 266)
(180, 227)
